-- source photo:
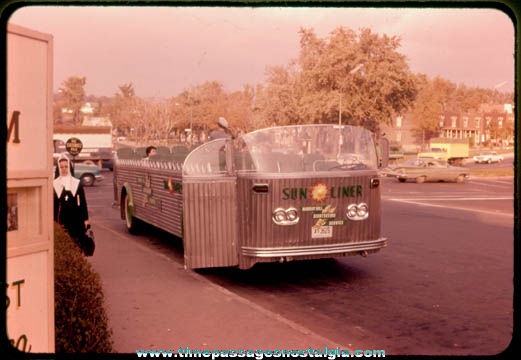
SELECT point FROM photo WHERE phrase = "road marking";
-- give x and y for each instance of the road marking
(451, 199)
(506, 185)
(454, 208)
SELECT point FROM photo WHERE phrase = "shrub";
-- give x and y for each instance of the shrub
(81, 323)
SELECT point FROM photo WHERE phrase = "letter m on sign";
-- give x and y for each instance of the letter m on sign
(14, 124)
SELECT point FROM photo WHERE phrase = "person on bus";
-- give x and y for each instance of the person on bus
(150, 150)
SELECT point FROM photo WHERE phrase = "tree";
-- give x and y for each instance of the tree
(428, 107)
(358, 78)
(73, 96)
(280, 100)
(123, 109)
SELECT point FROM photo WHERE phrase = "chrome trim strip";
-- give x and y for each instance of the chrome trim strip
(315, 249)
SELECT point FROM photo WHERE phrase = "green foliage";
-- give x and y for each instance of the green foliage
(360, 78)
(81, 323)
(74, 96)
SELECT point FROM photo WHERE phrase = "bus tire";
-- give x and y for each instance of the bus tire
(460, 178)
(131, 222)
(420, 179)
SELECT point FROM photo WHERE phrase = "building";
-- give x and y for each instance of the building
(400, 134)
(491, 125)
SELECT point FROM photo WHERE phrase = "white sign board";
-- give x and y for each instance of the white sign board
(30, 270)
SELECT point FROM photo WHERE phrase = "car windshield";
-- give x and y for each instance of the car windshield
(306, 148)
(415, 162)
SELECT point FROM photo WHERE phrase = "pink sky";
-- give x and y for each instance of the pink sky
(166, 50)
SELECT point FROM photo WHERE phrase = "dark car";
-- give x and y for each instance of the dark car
(108, 164)
(428, 169)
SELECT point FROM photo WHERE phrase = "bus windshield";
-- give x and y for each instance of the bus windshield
(306, 148)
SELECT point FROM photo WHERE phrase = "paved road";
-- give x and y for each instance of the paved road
(442, 286)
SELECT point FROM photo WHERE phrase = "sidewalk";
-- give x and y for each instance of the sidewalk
(154, 303)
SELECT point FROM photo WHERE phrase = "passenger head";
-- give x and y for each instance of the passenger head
(151, 150)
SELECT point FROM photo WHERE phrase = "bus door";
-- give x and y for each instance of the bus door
(210, 206)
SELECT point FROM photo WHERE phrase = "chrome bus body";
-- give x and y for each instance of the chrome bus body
(232, 210)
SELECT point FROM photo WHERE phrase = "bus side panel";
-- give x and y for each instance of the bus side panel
(157, 196)
(210, 223)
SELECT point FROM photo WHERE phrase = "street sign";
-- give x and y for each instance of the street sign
(74, 146)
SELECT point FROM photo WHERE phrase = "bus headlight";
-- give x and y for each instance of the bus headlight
(351, 211)
(362, 211)
(285, 217)
(279, 216)
(357, 212)
(292, 214)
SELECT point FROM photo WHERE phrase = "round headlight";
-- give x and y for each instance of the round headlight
(279, 215)
(352, 211)
(363, 210)
(292, 214)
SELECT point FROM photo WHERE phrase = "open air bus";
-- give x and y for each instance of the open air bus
(278, 194)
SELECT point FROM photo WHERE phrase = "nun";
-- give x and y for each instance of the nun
(70, 207)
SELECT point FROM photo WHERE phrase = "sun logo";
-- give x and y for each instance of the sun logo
(319, 192)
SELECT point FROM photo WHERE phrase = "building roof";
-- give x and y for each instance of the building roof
(78, 129)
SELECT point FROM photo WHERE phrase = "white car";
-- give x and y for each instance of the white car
(488, 157)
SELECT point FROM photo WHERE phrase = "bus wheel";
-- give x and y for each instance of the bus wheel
(131, 221)
(460, 178)
(402, 180)
(420, 179)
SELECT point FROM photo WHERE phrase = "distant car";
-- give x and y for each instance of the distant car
(425, 169)
(488, 157)
(88, 174)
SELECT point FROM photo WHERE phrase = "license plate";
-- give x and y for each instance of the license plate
(322, 232)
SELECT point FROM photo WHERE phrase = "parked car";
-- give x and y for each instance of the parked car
(426, 169)
(488, 157)
(88, 174)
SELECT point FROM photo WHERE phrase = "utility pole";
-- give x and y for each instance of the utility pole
(340, 111)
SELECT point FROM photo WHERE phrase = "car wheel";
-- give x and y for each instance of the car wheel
(460, 178)
(420, 179)
(401, 180)
(87, 180)
(130, 221)
(489, 161)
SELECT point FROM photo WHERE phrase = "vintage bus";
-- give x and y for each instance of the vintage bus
(276, 194)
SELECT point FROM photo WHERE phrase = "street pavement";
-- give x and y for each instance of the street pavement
(195, 312)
